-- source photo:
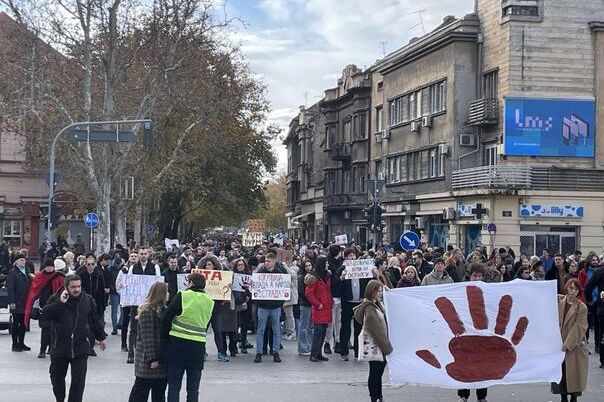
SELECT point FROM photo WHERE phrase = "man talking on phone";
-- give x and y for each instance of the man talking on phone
(74, 314)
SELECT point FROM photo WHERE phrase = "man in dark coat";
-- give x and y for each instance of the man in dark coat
(18, 283)
(594, 295)
(75, 319)
(171, 276)
(93, 283)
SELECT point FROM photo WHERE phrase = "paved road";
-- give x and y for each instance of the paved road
(24, 378)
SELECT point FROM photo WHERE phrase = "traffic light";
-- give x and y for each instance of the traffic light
(55, 215)
(148, 140)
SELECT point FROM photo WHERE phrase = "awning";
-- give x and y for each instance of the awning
(298, 217)
(425, 213)
(400, 213)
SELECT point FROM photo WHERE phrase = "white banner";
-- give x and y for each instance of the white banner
(359, 269)
(271, 286)
(341, 239)
(135, 288)
(474, 334)
(239, 280)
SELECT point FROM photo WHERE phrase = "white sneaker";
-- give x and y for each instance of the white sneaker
(463, 399)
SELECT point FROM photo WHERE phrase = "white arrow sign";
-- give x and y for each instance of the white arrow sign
(408, 240)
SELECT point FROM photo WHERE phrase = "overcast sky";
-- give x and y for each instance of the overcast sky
(299, 47)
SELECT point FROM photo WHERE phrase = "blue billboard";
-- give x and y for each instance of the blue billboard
(549, 127)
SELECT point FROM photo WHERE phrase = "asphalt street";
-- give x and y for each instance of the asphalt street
(24, 378)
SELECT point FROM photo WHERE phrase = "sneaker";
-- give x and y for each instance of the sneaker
(92, 353)
(243, 351)
(223, 358)
(304, 354)
(344, 357)
(258, 358)
(130, 360)
(25, 347)
(42, 355)
(233, 352)
(287, 337)
(323, 358)
(17, 348)
(124, 348)
(314, 359)
(276, 358)
(337, 348)
(482, 400)
(327, 349)
(463, 399)
(114, 332)
(248, 346)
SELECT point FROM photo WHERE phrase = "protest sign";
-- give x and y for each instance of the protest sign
(218, 283)
(285, 256)
(251, 239)
(255, 225)
(169, 242)
(239, 280)
(183, 281)
(134, 288)
(271, 286)
(359, 269)
(474, 334)
(341, 239)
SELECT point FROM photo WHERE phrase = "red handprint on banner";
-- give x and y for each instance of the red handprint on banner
(478, 357)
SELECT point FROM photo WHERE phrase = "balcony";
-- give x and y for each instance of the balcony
(341, 151)
(484, 112)
(345, 201)
(517, 177)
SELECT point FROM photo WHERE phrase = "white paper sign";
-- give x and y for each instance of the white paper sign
(239, 280)
(169, 243)
(183, 281)
(251, 239)
(136, 287)
(474, 334)
(341, 239)
(359, 269)
(271, 286)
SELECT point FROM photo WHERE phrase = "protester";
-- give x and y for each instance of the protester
(546, 260)
(371, 315)
(585, 275)
(125, 315)
(74, 317)
(594, 295)
(93, 284)
(171, 276)
(305, 327)
(113, 271)
(573, 324)
(18, 282)
(394, 270)
(210, 262)
(334, 263)
(438, 276)
(423, 267)
(318, 294)
(184, 328)
(537, 272)
(243, 308)
(409, 278)
(288, 305)
(558, 272)
(380, 272)
(149, 362)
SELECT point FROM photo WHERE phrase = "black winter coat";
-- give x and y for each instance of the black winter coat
(171, 278)
(596, 281)
(17, 284)
(73, 322)
(94, 285)
(334, 265)
(302, 300)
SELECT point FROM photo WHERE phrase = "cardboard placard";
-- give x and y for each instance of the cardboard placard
(267, 286)
(359, 269)
(251, 239)
(341, 239)
(218, 283)
(239, 280)
(136, 287)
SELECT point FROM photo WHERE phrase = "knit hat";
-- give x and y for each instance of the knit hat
(59, 264)
(19, 256)
(438, 260)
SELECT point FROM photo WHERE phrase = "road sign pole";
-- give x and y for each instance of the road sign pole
(375, 223)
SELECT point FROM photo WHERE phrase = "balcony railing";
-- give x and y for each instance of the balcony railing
(345, 200)
(341, 151)
(493, 177)
(517, 177)
(484, 111)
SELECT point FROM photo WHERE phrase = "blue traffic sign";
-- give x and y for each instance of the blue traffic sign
(409, 240)
(91, 220)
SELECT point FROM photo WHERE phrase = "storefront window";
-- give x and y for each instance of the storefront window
(11, 232)
(533, 239)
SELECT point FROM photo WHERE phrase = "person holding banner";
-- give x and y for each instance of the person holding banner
(573, 325)
(372, 316)
(318, 294)
(242, 306)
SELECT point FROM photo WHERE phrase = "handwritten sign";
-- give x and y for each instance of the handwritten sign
(342, 239)
(218, 283)
(183, 281)
(359, 269)
(255, 225)
(251, 239)
(271, 286)
(136, 287)
(169, 242)
(239, 280)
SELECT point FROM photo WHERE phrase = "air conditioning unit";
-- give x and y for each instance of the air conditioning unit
(415, 126)
(427, 121)
(467, 140)
(443, 149)
(420, 223)
(500, 149)
(386, 134)
(378, 137)
(449, 214)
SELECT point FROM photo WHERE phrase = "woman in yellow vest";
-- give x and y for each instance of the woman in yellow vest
(184, 326)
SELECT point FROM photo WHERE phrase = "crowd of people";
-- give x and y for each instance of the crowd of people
(165, 336)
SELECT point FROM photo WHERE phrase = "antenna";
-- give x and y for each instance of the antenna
(384, 47)
(421, 19)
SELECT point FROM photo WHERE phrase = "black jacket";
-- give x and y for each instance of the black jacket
(347, 286)
(94, 285)
(171, 278)
(271, 304)
(334, 265)
(596, 281)
(148, 270)
(302, 300)
(17, 284)
(424, 269)
(73, 322)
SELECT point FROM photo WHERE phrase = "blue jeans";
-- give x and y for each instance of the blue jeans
(175, 374)
(304, 332)
(263, 316)
(114, 301)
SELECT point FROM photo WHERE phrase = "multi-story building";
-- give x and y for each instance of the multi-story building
(535, 179)
(420, 100)
(305, 180)
(346, 109)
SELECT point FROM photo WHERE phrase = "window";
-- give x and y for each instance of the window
(330, 137)
(354, 179)
(395, 111)
(419, 165)
(525, 11)
(330, 178)
(347, 131)
(346, 182)
(441, 165)
(360, 126)
(490, 155)
(438, 93)
(490, 84)
(11, 232)
(379, 174)
(433, 163)
(424, 164)
(403, 168)
(362, 172)
(379, 115)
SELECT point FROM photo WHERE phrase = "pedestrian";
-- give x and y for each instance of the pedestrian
(318, 294)
(288, 305)
(380, 272)
(305, 327)
(93, 283)
(113, 271)
(537, 272)
(585, 275)
(43, 285)
(371, 315)
(594, 295)
(125, 310)
(18, 282)
(394, 270)
(335, 261)
(409, 278)
(210, 262)
(243, 307)
(171, 276)
(149, 363)
(74, 316)
(573, 324)
(546, 260)
(438, 276)
(184, 328)
(269, 310)
(69, 260)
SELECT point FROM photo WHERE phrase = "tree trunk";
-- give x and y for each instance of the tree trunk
(103, 240)
(138, 223)
(120, 222)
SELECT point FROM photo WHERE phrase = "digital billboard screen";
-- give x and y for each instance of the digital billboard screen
(549, 127)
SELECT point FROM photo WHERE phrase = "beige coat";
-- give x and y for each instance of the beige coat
(371, 315)
(573, 330)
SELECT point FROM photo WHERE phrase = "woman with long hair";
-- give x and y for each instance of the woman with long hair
(149, 367)
(305, 327)
(318, 294)
(371, 314)
(409, 278)
(243, 306)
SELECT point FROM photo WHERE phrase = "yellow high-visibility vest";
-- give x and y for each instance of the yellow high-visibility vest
(196, 314)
